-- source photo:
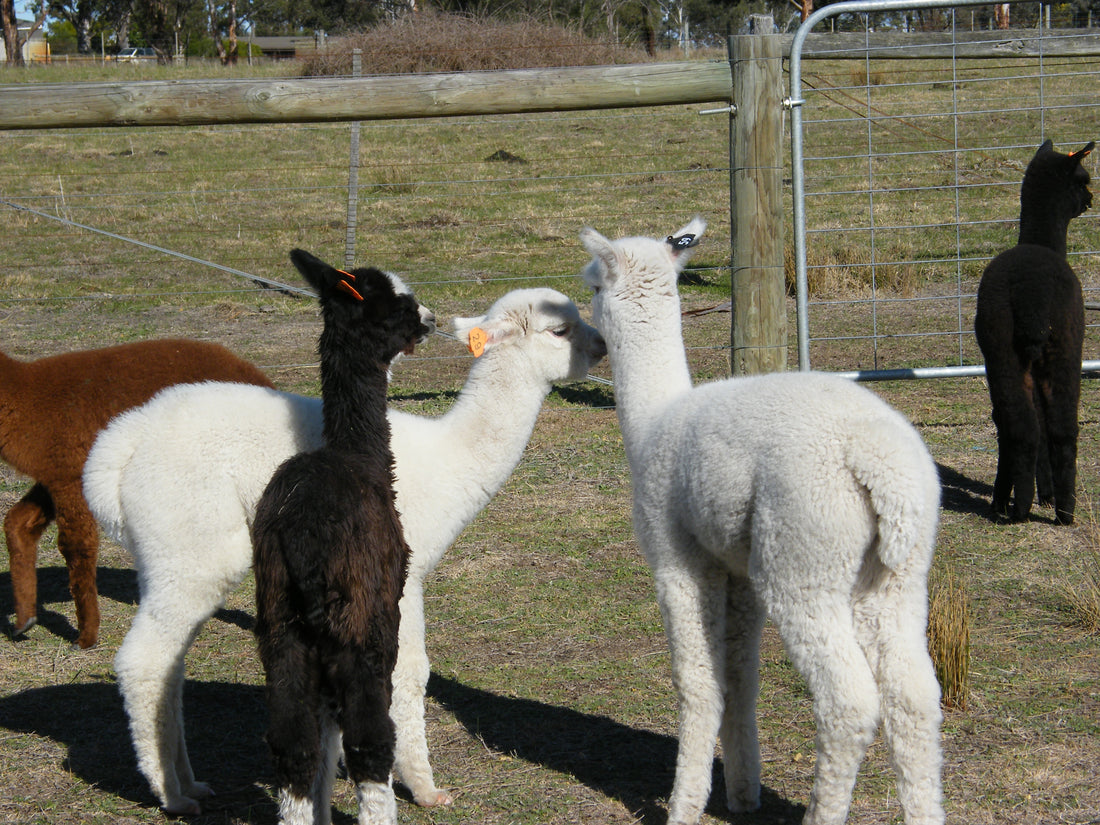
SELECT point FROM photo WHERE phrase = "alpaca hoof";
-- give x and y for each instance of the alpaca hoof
(21, 630)
(435, 799)
(83, 643)
(199, 790)
(183, 806)
(744, 800)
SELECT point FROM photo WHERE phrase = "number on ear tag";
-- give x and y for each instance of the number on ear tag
(478, 338)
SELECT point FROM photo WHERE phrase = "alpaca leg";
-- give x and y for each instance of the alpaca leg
(294, 810)
(410, 682)
(1060, 418)
(326, 771)
(368, 736)
(377, 803)
(150, 668)
(691, 594)
(1044, 478)
(294, 725)
(740, 743)
(78, 541)
(891, 621)
(24, 524)
(818, 632)
(1017, 449)
(189, 786)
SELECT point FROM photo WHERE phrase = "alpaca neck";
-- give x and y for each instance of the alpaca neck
(1044, 227)
(354, 405)
(650, 369)
(493, 416)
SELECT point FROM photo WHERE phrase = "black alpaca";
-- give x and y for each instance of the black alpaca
(330, 561)
(1030, 327)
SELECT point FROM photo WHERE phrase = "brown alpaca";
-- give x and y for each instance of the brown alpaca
(50, 413)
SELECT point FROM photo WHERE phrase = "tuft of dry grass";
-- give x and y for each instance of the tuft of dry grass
(431, 41)
(949, 638)
(1081, 589)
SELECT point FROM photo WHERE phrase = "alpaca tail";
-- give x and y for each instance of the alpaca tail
(110, 455)
(894, 466)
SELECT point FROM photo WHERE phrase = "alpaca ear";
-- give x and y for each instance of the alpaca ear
(321, 276)
(1083, 153)
(684, 241)
(603, 251)
(481, 334)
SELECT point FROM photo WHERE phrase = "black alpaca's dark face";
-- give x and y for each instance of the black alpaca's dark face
(391, 322)
(1058, 181)
(362, 307)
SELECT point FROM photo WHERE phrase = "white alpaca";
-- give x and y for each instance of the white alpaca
(801, 497)
(176, 482)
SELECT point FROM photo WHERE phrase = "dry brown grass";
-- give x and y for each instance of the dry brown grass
(435, 42)
(1081, 590)
(949, 638)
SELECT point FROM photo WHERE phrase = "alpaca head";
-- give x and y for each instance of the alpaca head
(1057, 184)
(543, 326)
(362, 309)
(632, 274)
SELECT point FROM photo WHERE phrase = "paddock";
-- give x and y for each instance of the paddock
(551, 700)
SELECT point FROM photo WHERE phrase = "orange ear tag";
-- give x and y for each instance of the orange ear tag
(344, 286)
(478, 338)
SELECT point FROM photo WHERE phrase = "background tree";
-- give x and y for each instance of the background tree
(12, 47)
(81, 14)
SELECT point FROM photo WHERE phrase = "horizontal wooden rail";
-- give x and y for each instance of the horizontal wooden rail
(310, 100)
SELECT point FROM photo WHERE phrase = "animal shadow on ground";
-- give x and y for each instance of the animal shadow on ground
(630, 765)
(226, 724)
(53, 588)
(587, 395)
(225, 727)
(962, 494)
(117, 584)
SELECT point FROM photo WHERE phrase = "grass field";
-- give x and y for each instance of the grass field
(551, 701)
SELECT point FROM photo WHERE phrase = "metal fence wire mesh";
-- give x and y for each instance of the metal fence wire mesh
(914, 150)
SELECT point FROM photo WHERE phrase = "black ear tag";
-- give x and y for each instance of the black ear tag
(683, 242)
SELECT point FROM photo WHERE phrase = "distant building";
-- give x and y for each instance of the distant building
(36, 48)
(285, 48)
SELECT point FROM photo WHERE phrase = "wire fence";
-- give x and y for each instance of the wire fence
(912, 169)
(465, 209)
(914, 152)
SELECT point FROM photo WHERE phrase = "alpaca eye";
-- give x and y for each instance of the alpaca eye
(561, 332)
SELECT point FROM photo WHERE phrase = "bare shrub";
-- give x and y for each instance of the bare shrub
(431, 41)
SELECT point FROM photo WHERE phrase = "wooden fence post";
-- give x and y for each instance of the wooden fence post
(353, 174)
(759, 333)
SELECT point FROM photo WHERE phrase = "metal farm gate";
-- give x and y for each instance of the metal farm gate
(908, 149)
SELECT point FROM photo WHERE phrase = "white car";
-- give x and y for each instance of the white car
(136, 54)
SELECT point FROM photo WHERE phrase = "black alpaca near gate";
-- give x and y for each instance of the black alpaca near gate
(330, 561)
(1030, 328)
